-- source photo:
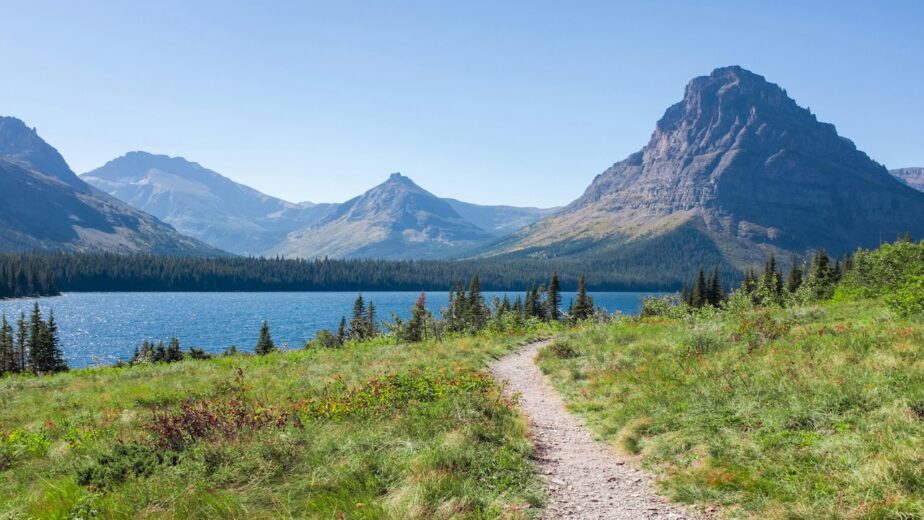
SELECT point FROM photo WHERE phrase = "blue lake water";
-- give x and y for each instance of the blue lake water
(106, 327)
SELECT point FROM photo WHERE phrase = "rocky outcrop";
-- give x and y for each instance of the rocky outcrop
(738, 160)
(913, 177)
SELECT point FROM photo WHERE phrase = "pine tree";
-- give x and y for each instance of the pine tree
(56, 361)
(265, 344)
(160, 353)
(553, 299)
(358, 322)
(531, 307)
(38, 352)
(415, 329)
(477, 311)
(372, 326)
(794, 280)
(342, 333)
(7, 353)
(583, 307)
(21, 342)
(715, 293)
(174, 353)
(698, 297)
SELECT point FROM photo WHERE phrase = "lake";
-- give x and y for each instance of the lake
(107, 327)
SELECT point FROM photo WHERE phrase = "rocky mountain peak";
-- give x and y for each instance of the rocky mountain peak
(23, 144)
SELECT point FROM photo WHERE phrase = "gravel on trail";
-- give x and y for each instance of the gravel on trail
(585, 479)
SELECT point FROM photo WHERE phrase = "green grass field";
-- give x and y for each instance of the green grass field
(374, 430)
(811, 412)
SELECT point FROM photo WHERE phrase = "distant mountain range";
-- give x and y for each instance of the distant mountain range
(203, 204)
(913, 177)
(734, 171)
(47, 207)
(396, 219)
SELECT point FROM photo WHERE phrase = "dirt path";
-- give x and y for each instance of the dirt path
(586, 479)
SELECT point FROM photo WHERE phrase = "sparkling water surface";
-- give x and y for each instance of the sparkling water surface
(106, 327)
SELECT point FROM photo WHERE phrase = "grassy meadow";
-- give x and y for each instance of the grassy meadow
(371, 430)
(807, 412)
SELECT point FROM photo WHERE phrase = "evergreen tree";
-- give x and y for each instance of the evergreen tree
(372, 326)
(265, 344)
(21, 342)
(7, 348)
(698, 297)
(160, 353)
(477, 316)
(342, 333)
(174, 353)
(415, 329)
(794, 280)
(715, 293)
(532, 307)
(38, 353)
(553, 299)
(56, 361)
(583, 307)
(358, 322)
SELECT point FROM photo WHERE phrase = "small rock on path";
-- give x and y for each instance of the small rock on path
(586, 479)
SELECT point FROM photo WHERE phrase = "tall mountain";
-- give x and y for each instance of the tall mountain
(396, 219)
(47, 207)
(733, 171)
(202, 203)
(913, 177)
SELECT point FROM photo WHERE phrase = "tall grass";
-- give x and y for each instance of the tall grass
(374, 430)
(805, 413)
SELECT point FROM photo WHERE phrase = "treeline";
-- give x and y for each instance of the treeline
(32, 345)
(893, 271)
(34, 274)
(468, 313)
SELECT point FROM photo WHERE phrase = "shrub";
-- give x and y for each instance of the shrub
(563, 349)
(123, 462)
(908, 299)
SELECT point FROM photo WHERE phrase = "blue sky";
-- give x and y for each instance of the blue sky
(490, 102)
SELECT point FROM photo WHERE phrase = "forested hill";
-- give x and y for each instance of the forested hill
(36, 274)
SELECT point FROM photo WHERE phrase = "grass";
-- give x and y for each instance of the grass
(804, 413)
(374, 430)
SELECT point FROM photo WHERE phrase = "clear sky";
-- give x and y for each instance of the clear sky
(490, 102)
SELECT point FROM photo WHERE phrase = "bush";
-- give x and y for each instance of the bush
(563, 349)
(908, 299)
(125, 461)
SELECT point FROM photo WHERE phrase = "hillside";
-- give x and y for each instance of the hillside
(395, 220)
(202, 203)
(47, 207)
(732, 172)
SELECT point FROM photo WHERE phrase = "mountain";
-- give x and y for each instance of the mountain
(202, 203)
(396, 219)
(47, 207)
(913, 177)
(499, 220)
(732, 172)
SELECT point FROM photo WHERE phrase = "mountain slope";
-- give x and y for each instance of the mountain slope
(202, 203)
(396, 219)
(740, 163)
(499, 220)
(913, 177)
(47, 207)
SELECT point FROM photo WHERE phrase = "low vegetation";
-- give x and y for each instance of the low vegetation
(788, 400)
(374, 429)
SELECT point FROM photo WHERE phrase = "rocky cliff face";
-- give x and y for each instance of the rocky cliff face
(396, 219)
(47, 207)
(202, 203)
(913, 177)
(739, 161)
